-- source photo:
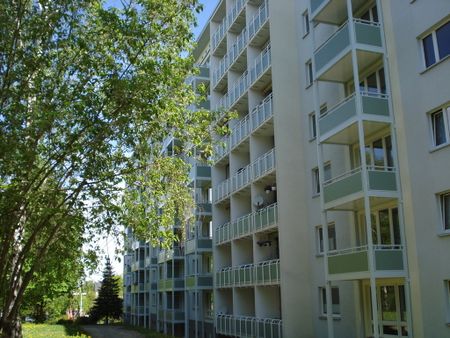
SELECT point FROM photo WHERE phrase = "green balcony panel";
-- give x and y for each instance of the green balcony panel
(389, 260)
(204, 243)
(190, 282)
(343, 187)
(373, 105)
(203, 171)
(204, 207)
(338, 116)
(204, 72)
(205, 281)
(179, 283)
(368, 34)
(335, 45)
(347, 263)
(382, 180)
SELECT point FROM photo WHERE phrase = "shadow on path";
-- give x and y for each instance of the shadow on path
(107, 331)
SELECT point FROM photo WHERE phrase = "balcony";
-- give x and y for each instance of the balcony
(332, 11)
(258, 77)
(218, 43)
(171, 284)
(263, 273)
(200, 174)
(167, 255)
(346, 191)
(199, 282)
(241, 326)
(247, 225)
(247, 125)
(140, 287)
(149, 261)
(198, 245)
(139, 265)
(252, 172)
(236, 16)
(339, 125)
(333, 59)
(353, 263)
(171, 315)
(203, 209)
(258, 27)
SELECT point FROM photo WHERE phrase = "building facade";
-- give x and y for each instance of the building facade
(331, 196)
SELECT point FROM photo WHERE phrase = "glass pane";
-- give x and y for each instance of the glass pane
(446, 211)
(390, 158)
(324, 300)
(428, 50)
(313, 126)
(327, 172)
(378, 153)
(396, 226)
(401, 295)
(388, 308)
(443, 40)
(331, 237)
(375, 14)
(372, 83)
(320, 240)
(438, 128)
(366, 16)
(385, 231)
(374, 229)
(335, 300)
(382, 81)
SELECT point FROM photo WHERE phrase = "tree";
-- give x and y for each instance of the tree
(87, 94)
(108, 304)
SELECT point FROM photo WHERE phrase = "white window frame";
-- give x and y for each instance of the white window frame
(312, 126)
(442, 212)
(447, 298)
(446, 118)
(319, 238)
(309, 73)
(323, 302)
(437, 57)
(316, 178)
(306, 23)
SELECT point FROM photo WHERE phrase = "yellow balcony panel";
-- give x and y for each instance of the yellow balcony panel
(340, 124)
(333, 59)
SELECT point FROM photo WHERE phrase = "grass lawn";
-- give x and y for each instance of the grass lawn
(51, 331)
(146, 332)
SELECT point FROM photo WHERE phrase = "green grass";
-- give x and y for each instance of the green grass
(145, 332)
(51, 331)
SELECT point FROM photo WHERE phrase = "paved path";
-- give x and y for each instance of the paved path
(105, 331)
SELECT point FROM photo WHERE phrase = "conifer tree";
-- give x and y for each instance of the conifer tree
(108, 304)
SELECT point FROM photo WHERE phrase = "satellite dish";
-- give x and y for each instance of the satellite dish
(259, 201)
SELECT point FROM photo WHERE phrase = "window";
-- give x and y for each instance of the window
(316, 180)
(331, 238)
(444, 206)
(373, 83)
(312, 126)
(335, 302)
(305, 23)
(436, 45)
(378, 154)
(309, 73)
(371, 14)
(447, 294)
(439, 121)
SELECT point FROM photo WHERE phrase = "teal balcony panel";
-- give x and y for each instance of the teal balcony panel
(337, 116)
(368, 34)
(343, 187)
(388, 260)
(375, 105)
(382, 180)
(331, 48)
(315, 4)
(348, 263)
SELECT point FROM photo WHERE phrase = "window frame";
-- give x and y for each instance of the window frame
(309, 73)
(443, 230)
(437, 58)
(446, 120)
(316, 178)
(323, 302)
(312, 126)
(447, 298)
(306, 23)
(319, 239)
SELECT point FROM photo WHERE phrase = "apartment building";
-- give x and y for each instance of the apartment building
(331, 196)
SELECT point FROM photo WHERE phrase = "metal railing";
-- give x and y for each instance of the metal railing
(227, 21)
(262, 63)
(244, 326)
(244, 176)
(364, 248)
(357, 170)
(262, 273)
(258, 19)
(259, 115)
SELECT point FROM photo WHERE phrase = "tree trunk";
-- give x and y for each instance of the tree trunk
(11, 328)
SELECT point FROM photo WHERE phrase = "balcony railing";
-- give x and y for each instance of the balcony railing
(258, 20)
(331, 51)
(380, 178)
(166, 255)
(356, 260)
(246, 225)
(199, 281)
(248, 124)
(199, 244)
(242, 326)
(226, 22)
(263, 273)
(170, 284)
(245, 176)
(246, 80)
